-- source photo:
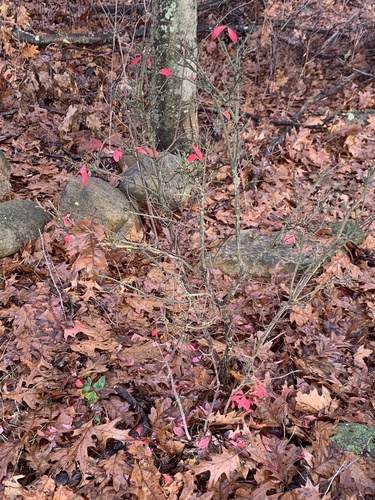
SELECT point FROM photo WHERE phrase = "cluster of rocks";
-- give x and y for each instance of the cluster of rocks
(165, 182)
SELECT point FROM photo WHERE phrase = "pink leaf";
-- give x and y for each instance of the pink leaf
(93, 144)
(211, 47)
(168, 480)
(179, 431)
(203, 443)
(138, 430)
(241, 401)
(216, 31)
(149, 63)
(117, 155)
(289, 239)
(141, 150)
(232, 35)
(226, 114)
(84, 175)
(198, 152)
(66, 222)
(67, 239)
(148, 151)
(136, 60)
(79, 383)
(154, 332)
(72, 332)
(165, 72)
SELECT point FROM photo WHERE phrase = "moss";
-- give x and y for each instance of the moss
(356, 438)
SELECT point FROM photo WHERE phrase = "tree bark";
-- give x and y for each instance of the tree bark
(174, 114)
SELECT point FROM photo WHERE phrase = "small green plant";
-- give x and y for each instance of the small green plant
(90, 390)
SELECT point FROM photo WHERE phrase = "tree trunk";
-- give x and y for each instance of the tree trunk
(174, 115)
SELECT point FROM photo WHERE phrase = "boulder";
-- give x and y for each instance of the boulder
(165, 181)
(5, 186)
(20, 221)
(101, 202)
(261, 253)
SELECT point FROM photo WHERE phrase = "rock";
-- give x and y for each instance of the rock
(101, 202)
(5, 187)
(20, 221)
(166, 181)
(261, 253)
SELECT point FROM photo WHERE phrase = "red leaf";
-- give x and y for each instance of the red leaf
(232, 35)
(79, 383)
(117, 155)
(198, 152)
(85, 177)
(149, 63)
(136, 60)
(165, 72)
(216, 31)
(67, 239)
(241, 401)
(192, 158)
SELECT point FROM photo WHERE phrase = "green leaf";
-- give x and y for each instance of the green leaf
(91, 397)
(100, 384)
(87, 386)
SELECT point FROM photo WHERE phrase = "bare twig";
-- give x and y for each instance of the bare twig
(50, 268)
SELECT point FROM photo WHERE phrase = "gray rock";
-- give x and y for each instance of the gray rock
(20, 221)
(5, 187)
(101, 202)
(261, 253)
(166, 181)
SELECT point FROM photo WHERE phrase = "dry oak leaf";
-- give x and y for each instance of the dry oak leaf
(88, 436)
(226, 463)
(313, 402)
(29, 52)
(116, 469)
(302, 315)
(361, 353)
(146, 477)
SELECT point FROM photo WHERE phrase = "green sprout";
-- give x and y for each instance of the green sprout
(90, 390)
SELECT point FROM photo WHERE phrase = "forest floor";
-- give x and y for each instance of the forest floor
(111, 379)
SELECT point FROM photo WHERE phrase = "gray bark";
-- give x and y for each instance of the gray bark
(174, 116)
